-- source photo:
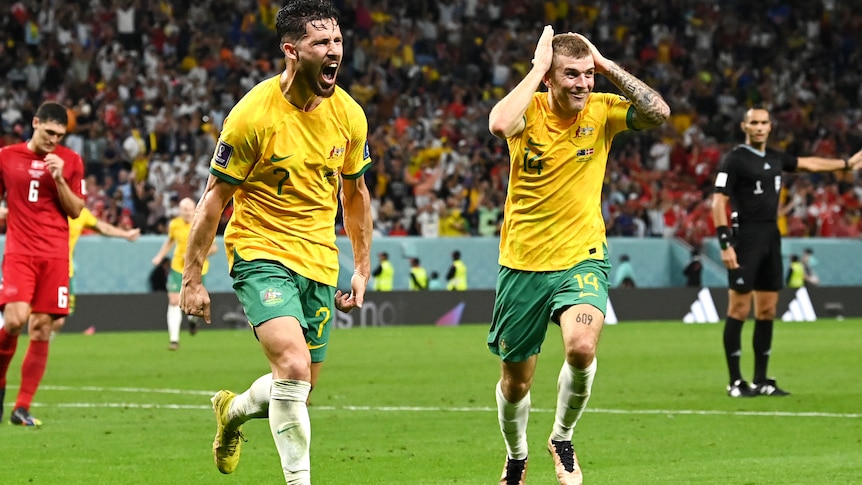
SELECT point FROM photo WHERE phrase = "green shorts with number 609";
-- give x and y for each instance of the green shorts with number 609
(268, 289)
(528, 300)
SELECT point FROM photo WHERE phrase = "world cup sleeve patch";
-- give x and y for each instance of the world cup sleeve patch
(367, 153)
(222, 155)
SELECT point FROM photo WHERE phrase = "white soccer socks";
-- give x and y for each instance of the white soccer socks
(251, 404)
(513, 423)
(291, 428)
(175, 320)
(573, 393)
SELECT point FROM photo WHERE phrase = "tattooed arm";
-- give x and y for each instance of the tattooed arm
(651, 109)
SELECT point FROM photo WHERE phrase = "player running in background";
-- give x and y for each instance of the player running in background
(554, 263)
(41, 182)
(748, 182)
(178, 235)
(76, 227)
(285, 150)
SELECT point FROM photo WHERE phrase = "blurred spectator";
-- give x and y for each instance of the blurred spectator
(624, 273)
(147, 86)
(693, 270)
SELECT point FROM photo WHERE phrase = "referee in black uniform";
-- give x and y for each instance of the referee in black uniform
(749, 181)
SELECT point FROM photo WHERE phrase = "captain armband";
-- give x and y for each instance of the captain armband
(724, 237)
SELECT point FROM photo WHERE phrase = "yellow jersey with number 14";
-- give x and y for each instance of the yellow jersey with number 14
(553, 216)
(287, 163)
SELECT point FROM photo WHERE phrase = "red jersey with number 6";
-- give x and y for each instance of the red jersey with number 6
(36, 224)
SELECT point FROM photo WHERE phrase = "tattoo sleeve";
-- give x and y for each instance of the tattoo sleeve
(652, 109)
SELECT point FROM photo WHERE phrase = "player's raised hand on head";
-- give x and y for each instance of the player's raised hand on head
(602, 63)
(55, 165)
(544, 54)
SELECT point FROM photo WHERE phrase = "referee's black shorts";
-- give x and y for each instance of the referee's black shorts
(758, 251)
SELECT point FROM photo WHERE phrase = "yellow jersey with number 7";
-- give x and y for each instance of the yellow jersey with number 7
(287, 163)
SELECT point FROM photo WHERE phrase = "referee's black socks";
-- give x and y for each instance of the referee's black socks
(762, 345)
(733, 347)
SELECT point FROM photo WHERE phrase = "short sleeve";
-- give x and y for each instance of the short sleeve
(358, 158)
(620, 114)
(725, 177)
(789, 163)
(237, 149)
(88, 219)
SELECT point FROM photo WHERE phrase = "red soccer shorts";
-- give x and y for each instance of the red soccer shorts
(41, 282)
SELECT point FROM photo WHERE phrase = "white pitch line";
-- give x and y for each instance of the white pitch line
(135, 390)
(480, 409)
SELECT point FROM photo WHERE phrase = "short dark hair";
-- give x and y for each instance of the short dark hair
(51, 111)
(456, 255)
(292, 18)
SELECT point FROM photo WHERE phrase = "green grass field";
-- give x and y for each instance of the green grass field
(416, 405)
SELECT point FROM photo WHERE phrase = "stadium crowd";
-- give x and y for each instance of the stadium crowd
(148, 83)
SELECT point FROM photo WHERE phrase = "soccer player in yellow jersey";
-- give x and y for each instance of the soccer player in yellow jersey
(87, 220)
(178, 235)
(553, 252)
(286, 150)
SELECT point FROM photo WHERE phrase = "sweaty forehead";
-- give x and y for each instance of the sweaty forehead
(322, 29)
(567, 63)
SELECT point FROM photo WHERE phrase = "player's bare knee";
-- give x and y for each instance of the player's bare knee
(291, 366)
(739, 310)
(514, 390)
(768, 314)
(581, 353)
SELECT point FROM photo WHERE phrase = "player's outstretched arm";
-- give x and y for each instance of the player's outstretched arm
(359, 225)
(652, 110)
(820, 164)
(194, 299)
(507, 116)
(106, 229)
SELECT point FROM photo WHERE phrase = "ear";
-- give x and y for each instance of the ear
(289, 50)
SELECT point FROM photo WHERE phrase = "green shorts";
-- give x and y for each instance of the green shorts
(527, 301)
(268, 289)
(175, 281)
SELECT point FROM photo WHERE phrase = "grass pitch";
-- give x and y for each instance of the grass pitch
(415, 405)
